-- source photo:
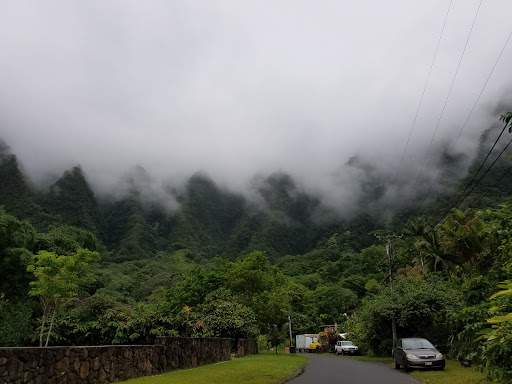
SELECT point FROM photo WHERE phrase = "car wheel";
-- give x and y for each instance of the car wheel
(407, 368)
(337, 353)
(397, 366)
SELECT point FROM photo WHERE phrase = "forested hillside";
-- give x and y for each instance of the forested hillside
(210, 221)
(78, 269)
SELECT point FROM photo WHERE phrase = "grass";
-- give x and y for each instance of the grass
(453, 373)
(264, 368)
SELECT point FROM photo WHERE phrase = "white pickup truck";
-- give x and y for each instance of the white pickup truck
(346, 347)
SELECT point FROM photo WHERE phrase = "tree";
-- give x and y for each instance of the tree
(333, 301)
(423, 242)
(461, 234)
(57, 282)
(416, 227)
(420, 306)
(225, 317)
(431, 255)
(262, 287)
(192, 289)
(498, 338)
(65, 239)
(507, 118)
(252, 274)
(16, 239)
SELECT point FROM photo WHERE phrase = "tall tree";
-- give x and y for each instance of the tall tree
(462, 235)
(57, 282)
(16, 241)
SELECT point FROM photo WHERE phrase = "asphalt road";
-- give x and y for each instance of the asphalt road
(327, 369)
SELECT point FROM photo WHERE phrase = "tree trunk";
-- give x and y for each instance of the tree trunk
(42, 328)
(51, 326)
(393, 330)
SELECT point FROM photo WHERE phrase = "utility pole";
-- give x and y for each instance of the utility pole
(389, 252)
(290, 328)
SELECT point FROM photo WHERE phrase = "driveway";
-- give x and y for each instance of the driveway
(327, 369)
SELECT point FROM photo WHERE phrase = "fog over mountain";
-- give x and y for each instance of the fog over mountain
(149, 93)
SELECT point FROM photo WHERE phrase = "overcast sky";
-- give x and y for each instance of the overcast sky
(235, 88)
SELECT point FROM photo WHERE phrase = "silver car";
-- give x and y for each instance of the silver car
(415, 353)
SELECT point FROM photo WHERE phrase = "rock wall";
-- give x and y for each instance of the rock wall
(105, 364)
(246, 347)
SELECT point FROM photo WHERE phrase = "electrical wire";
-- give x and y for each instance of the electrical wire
(481, 165)
(444, 106)
(418, 109)
(478, 182)
(465, 123)
(493, 186)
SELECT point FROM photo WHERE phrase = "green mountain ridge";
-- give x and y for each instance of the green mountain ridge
(212, 221)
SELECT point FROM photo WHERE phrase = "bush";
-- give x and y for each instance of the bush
(498, 338)
(420, 307)
(16, 322)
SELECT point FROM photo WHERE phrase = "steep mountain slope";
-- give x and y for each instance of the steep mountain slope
(212, 221)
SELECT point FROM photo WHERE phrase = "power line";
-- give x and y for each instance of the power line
(493, 186)
(418, 109)
(486, 172)
(478, 182)
(444, 106)
(481, 165)
(466, 122)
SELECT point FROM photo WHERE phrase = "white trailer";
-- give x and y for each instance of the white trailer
(303, 342)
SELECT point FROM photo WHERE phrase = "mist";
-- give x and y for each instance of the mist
(145, 94)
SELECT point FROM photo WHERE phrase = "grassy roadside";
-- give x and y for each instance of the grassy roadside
(454, 373)
(264, 368)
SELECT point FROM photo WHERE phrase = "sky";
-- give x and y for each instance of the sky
(326, 91)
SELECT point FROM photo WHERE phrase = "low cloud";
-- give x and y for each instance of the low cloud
(324, 92)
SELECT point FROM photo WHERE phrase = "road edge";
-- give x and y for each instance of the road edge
(295, 374)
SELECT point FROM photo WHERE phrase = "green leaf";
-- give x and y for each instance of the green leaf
(500, 319)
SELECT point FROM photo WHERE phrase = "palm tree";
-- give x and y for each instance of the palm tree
(462, 235)
(432, 256)
(417, 230)
(417, 227)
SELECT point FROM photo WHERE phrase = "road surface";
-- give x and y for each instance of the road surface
(327, 369)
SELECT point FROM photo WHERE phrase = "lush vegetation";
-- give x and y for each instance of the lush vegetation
(77, 269)
(259, 369)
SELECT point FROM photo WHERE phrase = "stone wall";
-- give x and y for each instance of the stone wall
(181, 352)
(105, 364)
(246, 347)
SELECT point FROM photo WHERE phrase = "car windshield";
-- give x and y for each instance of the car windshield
(417, 344)
(346, 343)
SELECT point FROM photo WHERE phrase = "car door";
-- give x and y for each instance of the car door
(399, 354)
